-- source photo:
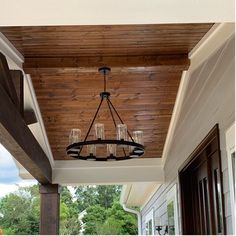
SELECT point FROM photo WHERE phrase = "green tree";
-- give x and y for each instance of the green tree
(111, 221)
(19, 212)
(107, 217)
(86, 196)
(106, 194)
(103, 195)
(69, 222)
(94, 218)
(110, 227)
(127, 221)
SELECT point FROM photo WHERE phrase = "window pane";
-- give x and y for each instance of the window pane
(150, 227)
(146, 228)
(219, 212)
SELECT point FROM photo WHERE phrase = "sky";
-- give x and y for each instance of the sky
(9, 176)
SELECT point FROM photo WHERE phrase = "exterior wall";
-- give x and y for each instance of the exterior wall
(209, 100)
(159, 205)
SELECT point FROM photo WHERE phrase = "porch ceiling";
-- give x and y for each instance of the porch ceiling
(146, 62)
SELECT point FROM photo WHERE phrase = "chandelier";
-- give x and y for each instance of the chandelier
(124, 146)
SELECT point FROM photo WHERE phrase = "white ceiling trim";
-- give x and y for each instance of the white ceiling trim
(111, 12)
(76, 172)
(175, 115)
(211, 41)
(14, 58)
(38, 129)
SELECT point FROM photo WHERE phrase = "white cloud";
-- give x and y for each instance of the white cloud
(10, 188)
(8, 170)
(9, 174)
(4, 153)
(6, 189)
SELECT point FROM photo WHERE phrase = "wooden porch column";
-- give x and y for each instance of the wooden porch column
(49, 209)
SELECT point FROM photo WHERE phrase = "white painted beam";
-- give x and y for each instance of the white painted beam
(111, 12)
(76, 172)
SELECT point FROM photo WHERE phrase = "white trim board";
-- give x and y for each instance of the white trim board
(211, 41)
(230, 148)
(76, 172)
(14, 58)
(113, 12)
(175, 115)
(43, 135)
(150, 217)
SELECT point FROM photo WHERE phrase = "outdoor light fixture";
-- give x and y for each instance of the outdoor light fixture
(159, 228)
(131, 145)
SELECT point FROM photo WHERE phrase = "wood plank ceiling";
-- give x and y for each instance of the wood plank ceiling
(146, 62)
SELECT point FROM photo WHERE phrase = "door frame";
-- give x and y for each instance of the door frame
(230, 148)
(193, 158)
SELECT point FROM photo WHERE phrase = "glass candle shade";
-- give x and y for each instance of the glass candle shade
(111, 150)
(75, 136)
(121, 132)
(91, 150)
(132, 153)
(138, 137)
(131, 148)
(99, 131)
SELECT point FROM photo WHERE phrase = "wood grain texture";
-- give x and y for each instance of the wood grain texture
(49, 209)
(6, 81)
(146, 60)
(113, 40)
(18, 81)
(159, 63)
(69, 100)
(17, 138)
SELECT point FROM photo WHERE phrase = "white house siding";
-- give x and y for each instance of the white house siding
(209, 100)
(158, 204)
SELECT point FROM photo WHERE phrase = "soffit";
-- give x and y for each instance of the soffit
(146, 60)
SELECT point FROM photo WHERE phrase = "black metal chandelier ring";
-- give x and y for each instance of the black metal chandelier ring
(74, 149)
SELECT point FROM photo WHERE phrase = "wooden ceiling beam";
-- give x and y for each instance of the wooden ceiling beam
(17, 138)
(6, 80)
(178, 62)
(15, 135)
(30, 117)
(18, 81)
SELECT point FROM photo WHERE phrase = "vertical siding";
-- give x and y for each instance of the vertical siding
(209, 100)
